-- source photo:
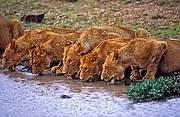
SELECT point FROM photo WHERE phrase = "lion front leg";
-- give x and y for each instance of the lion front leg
(53, 69)
(57, 69)
(135, 73)
(152, 68)
(161, 47)
(151, 71)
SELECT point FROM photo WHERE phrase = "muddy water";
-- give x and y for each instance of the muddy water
(25, 95)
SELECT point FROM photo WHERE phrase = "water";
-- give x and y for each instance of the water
(26, 95)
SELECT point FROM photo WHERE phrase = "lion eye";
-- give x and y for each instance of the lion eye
(70, 62)
(79, 51)
(78, 43)
(105, 68)
(37, 64)
(4, 57)
(86, 69)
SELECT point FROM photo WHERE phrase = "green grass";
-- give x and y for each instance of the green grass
(36, 25)
(79, 15)
(173, 32)
(154, 89)
(167, 1)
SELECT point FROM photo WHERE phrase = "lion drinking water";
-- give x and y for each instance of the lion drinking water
(17, 49)
(148, 54)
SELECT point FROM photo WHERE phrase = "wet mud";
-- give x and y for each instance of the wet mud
(23, 94)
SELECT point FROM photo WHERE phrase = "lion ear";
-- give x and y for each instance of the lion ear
(108, 53)
(115, 56)
(31, 48)
(78, 43)
(41, 48)
(68, 43)
(94, 57)
(13, 44)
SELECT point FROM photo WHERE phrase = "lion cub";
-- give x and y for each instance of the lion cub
(71, 59)
(92, 36)
(142, 53)
(53, 49)
(9, 30)
(91, 63)
(17, 49)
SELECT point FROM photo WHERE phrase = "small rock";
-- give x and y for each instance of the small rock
(127, 81)
(158, 17)
(65, 97)
(163, 27)
(33, 17)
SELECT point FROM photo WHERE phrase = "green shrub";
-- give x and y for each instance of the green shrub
(154, 89)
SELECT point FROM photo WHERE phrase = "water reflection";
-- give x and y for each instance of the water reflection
(24, 94)
(51, 80)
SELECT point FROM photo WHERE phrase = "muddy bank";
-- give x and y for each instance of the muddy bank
(25, 95)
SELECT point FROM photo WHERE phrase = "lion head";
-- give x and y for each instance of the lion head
(71, 61)
(40, 59)
(89, 39)
(112, 69)
(13, 53)
(89, 68)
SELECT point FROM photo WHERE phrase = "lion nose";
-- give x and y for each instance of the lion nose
(64, 72)
(3, 66)
(82, 78)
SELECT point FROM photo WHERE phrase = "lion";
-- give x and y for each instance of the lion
(146, 54)
(141, 33)
(18, 49)
(16, 28)
(71, 59)
(91, 63)
(71, 62)
(53, 49)
(92, 36)
(9, 30)
(169, 63)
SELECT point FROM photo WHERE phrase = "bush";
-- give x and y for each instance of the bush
(154, 89)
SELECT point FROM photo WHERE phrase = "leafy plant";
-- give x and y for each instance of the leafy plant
(154, 89)
(128, 1)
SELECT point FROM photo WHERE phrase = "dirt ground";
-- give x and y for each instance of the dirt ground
(160, 17)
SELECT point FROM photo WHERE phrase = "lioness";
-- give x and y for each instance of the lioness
(53, 49)
(8, 30)
(91, 63)
(92, 36)
(71, 59)
(142, 53)
(17, 49)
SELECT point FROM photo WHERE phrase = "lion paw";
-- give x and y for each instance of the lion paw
(59, 71)
(53, 69)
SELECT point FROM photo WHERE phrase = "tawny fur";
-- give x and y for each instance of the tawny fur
(141, 33)
(16, 28)
(9, 30)
(91, 63)
(92, 36)
(142, 53)
(19, 48)
(71, 59)
(170, 61)
(53, 49)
